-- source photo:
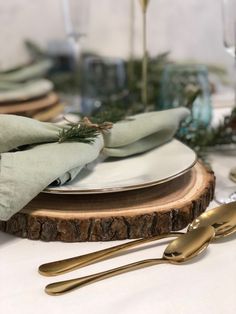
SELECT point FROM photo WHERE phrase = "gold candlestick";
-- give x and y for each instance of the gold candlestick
(144, 5)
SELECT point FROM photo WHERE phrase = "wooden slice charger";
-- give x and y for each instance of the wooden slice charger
(115, 216)
(25, 106)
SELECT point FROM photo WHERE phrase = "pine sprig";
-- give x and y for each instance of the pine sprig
(84, 132)
(78, 133)
(200, 139)
(115, 112)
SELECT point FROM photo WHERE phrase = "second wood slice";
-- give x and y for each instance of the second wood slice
(115, 216)
(32, 105)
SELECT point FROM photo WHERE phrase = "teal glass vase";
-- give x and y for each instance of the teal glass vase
(176, 80)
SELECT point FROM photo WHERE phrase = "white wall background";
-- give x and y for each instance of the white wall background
(190, 29)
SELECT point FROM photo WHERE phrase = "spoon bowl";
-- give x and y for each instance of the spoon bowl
(189, 245)
(222, 218)
(180, 250)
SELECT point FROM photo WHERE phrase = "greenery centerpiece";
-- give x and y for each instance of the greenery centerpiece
(195, 135)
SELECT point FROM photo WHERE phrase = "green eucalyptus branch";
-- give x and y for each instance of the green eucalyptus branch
(200, 139)
(190, 132)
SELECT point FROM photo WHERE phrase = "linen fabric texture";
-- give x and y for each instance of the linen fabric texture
(31, 157)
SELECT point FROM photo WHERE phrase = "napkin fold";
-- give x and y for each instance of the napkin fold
(41, 160)
(15, 92)
(28, 72)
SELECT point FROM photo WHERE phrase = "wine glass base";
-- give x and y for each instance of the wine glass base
(225, 195)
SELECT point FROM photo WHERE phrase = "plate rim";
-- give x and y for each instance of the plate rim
(127, 188)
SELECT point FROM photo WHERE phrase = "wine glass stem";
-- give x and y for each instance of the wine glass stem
(235, 64)
(144, 62)
(75, 48)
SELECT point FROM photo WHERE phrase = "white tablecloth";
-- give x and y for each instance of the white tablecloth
(206, 285)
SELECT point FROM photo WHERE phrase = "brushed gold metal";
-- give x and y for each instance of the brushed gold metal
(66, 265)
(180, 250)
(222, 218)
(144, 4)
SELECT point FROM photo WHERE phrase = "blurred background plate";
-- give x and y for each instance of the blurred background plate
(26, 91)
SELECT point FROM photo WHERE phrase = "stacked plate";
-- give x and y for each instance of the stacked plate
(24, 92)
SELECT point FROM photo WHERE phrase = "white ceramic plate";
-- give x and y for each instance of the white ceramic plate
(114, 175)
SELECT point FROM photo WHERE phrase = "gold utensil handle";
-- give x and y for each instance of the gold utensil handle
(66, 265)
(62, 287)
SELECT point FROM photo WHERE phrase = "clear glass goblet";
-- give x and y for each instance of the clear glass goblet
(226, 192)
(76, 20)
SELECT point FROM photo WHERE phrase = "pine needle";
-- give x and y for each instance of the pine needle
(78, 133)
(84, 132)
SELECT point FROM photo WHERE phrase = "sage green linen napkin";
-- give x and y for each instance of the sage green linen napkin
(28, 72)
(15, 92)
(143, 132)
(25, 173)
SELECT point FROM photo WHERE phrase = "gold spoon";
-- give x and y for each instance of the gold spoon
(222, 218)
(180, 250)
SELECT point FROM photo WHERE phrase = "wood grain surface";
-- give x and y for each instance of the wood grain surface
(26, 106)
(114, 216)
